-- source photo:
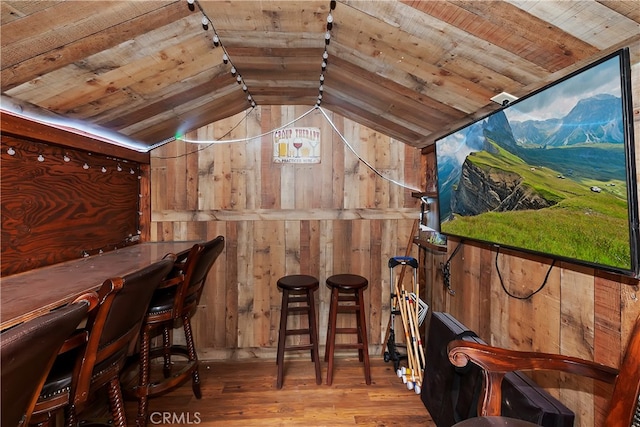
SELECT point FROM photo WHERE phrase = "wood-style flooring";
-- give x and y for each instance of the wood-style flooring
(244, 394)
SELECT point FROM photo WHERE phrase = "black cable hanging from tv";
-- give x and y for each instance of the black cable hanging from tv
(544, 282)
(446, 269)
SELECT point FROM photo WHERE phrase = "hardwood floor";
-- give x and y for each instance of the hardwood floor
(244, 394)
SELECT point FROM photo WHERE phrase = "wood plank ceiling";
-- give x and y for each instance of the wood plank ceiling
(412, 70)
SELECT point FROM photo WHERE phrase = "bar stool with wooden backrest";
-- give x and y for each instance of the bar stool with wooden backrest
(27, 352)
(298, 299)
(624, 405)
(347, 296)
(172, 306)
(113, 328)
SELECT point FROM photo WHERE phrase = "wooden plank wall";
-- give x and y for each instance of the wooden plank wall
(579, 312)
(60, 204)
(321, 219)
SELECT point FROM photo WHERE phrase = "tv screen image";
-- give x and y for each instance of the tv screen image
(552, 173)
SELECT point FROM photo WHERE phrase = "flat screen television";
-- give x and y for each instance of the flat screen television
(552, 173)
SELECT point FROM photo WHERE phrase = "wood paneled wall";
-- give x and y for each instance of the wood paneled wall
(60, 204)
(321, 219)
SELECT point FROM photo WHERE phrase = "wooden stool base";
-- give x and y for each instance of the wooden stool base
(298, 299)
(347, 296)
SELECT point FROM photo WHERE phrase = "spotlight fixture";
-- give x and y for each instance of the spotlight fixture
(225, 58)
(205, 23)
(327, 37)
(233, 71)
(192, 7)
(332, 4)
(216, 40)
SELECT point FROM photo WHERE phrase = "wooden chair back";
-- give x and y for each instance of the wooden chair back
(197, 265)
(624, 405)
(114, 327)
(28, 352)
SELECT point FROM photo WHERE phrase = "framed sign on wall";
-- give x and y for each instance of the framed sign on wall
(296, 145)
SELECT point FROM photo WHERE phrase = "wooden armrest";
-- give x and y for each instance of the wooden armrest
(90, 297)
(496, 362)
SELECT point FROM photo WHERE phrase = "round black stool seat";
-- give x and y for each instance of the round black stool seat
(298, 282)
(347, 282)
(347, 296)
(297, 299)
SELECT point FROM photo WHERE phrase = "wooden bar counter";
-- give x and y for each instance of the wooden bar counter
(27, 295)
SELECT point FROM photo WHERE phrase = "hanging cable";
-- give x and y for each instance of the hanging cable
(504, 288)
(445, 267)
(367, 164)
(204, 147)
(228, 141)
(333, 126)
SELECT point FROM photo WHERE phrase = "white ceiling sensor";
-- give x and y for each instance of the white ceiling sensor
(504, 99)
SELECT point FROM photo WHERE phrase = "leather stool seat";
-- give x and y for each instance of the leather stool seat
(164, 300)
(347, 296)
(298, 299)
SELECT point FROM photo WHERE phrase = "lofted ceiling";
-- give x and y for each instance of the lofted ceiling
(412, 70)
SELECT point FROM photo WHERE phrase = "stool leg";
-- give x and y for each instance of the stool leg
(166, 350)
(193, 356)
(313, 335)
(143, 380)
(362, 336)
(359, 309)
(331, 335)
(282, 336)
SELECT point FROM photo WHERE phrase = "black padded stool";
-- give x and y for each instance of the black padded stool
(347, 296)
(298, 290)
